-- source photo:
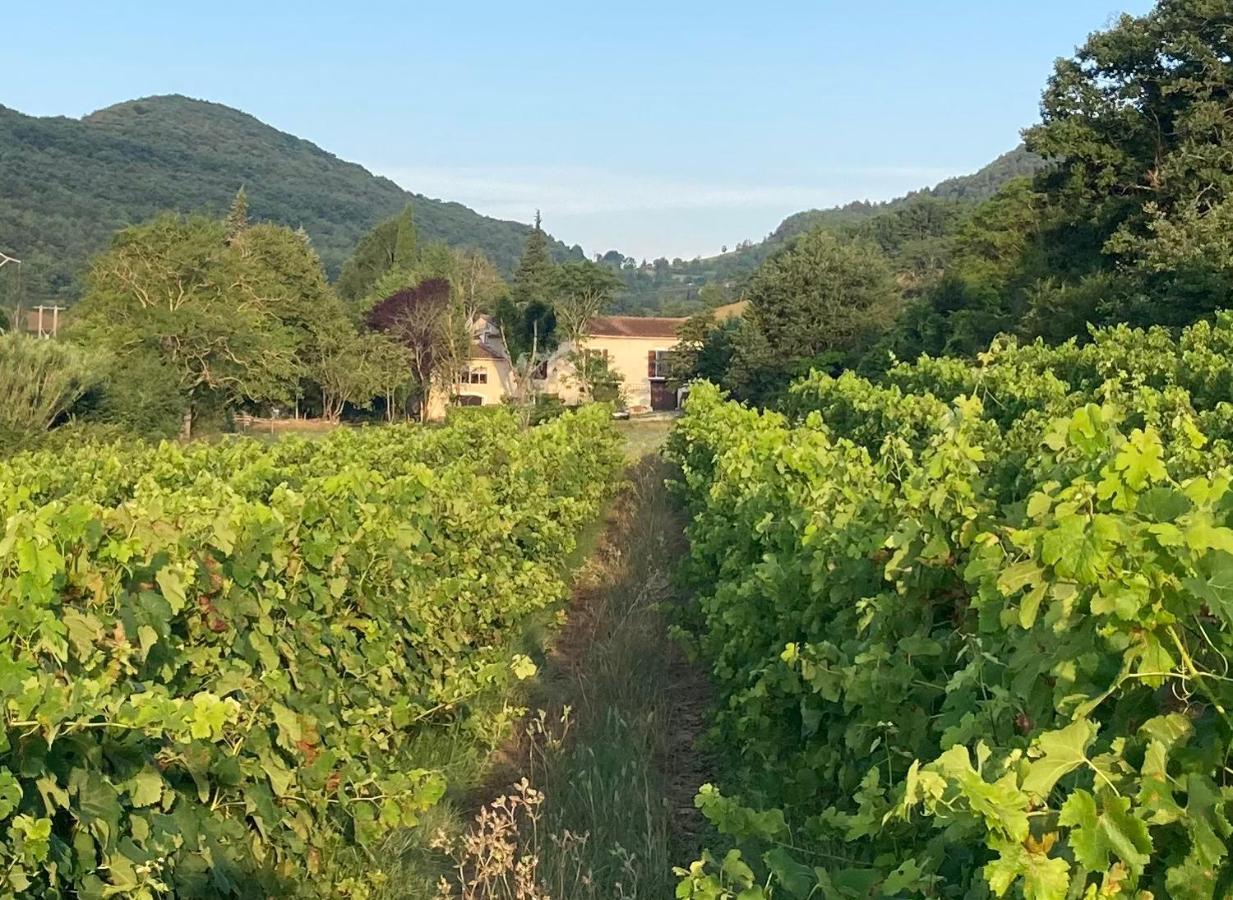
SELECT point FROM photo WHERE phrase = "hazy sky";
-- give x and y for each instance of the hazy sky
(655, 128)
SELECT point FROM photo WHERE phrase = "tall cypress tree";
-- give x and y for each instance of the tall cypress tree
(237, 217)
(534, 269)
(405, 241)
(526, 315)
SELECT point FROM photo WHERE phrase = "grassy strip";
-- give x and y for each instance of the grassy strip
(608, 758)
(601, 764)
(606, 761)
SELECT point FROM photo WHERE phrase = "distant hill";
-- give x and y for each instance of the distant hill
(980, 185)
(66, 185)
(673, 287)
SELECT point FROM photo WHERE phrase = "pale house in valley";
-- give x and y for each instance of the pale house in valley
(636, 347)
(488, 377)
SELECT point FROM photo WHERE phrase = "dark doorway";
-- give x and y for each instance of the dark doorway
(663, 397)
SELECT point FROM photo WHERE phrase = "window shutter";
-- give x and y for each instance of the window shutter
(650, 364)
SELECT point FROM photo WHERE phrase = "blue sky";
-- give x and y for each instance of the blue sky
(659, 129)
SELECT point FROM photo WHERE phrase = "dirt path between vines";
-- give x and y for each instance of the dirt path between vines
(613, 739)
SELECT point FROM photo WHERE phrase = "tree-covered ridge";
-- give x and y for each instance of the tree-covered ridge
(978, 186)
(69, 184)
(676, 285)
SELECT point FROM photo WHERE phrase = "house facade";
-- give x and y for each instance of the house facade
(637, 349)
(489, 375)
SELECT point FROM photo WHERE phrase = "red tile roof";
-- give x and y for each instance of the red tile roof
(481, 350)
(634, 326)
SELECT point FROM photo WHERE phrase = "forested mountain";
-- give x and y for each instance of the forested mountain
(674, 286)
(67, 185)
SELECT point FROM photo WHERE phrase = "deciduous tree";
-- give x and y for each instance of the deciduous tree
(424, 319)
(817, 302)
(391, 245)
(580, 291)
(174, 288)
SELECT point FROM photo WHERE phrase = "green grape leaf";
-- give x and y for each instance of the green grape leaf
(1044, 877)
(1215, 587)
(10, 793)
(172, 582)
(209, 715)
(1114, 830)
(1141, 459)
(794, 877)
(1060, 752)
(523, 667)
(146, 788)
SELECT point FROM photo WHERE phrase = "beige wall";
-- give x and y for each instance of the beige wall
(500, 381)
(627, 356)
(500, 384)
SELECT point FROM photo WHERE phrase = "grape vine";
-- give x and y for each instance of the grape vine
(217, 658)
(971, 625)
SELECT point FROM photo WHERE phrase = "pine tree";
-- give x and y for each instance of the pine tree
(405, 241)
(237, 218)
(534, 272)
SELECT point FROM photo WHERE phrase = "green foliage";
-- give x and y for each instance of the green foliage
(820, 301)
(219, 658)
(970, 624)
(579, 291)
(70, 184)
(704, 350)
(139, 394)
(40, 381)
(533, 277)
(1138, 122)
(237, 216)
(1129, 220)
(227, 318)
(354, 368)
(527, 317)
(601, 382)
(200, 316)
(527, 329)
(390, 246)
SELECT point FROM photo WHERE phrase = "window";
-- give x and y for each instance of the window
(657, 363)
(473, 376)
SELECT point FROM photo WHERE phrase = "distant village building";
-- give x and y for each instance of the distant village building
(637, 348)
(488, 377)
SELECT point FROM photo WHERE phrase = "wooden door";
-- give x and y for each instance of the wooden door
(662, 396)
